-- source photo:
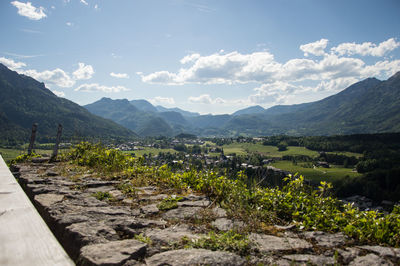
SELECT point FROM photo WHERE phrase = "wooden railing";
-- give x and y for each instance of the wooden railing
(25, 238)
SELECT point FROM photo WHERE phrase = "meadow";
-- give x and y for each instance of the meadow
(331, 174)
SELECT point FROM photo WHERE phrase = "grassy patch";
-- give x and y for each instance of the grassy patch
(318, 173)
(143, 239)
(169, 203)
(9, 154)
(347, 153)
(225, 241)
(100, 195)
(266, 150)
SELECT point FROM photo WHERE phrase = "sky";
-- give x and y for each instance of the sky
(211, 56)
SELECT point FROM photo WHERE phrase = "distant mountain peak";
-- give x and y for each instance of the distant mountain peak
(249, 110)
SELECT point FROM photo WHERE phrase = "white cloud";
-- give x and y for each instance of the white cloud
(84, 2)
(262, 68)
(366, 48)
(315, 48)
(206, 99)
(335, 85)
(119, 75)
(83, 72)
(59, 93)
(56, 77)
(29, 11)
(381, 68)
(162, 100)
(272, 93)
(190, 58)
(11, 64)
(69, 24)
(219, 69)
(94, 87)
(96, 6)
(160, 77)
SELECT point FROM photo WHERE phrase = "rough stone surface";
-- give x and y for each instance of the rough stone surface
(96, 232)
(224, 224)
(197, 203)
(170, 234)
(91, 232)
(311, 259)
(150, 209)
(370, 260)
(348, 254)
(383, 251)
(186, 257)
(46, 200)
(325, 239)
(219, 212)
(181, 213)
(268, 243)
(112, 253)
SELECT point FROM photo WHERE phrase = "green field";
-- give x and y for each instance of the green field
(317, 173)
(346, 153)
(266, 150)
(9, 154)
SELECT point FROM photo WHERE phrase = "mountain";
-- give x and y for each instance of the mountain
(178, 110)
(249, 110)
(144, 106)
(368, 106)
(24, 101)
(123, 112)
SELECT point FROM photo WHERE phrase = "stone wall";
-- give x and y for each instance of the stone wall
(128, 231)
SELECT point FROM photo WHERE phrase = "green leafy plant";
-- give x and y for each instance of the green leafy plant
(169, 203)
(143, 239)
(100, 195)
(307, 207)
(24, 158)
(226, 241)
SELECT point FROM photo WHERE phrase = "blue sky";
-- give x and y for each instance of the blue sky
(214, 56)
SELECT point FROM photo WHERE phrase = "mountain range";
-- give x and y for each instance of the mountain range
(24, 101)
(368, 106)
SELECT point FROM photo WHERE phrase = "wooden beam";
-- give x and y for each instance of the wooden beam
(25, 238)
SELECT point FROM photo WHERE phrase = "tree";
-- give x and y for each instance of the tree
(282, 146)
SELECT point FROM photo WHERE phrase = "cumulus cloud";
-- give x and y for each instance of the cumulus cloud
(315, 48)
(219, 69)
(59, 93)
(119, 75)
(11, 64)
(206, 99)
(160, 77)
(29, 11)
(335, 85)
(366, 48)
(272, 92)
(262, 68)
(94, 87)
(386, 68)
(56, 77)
(162, 100)
(83, 72)
(190, 58)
